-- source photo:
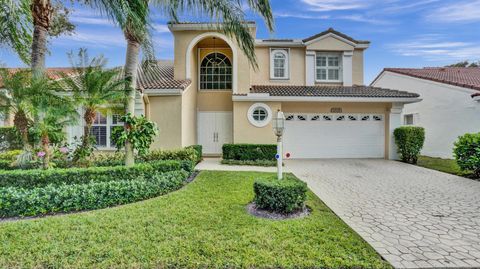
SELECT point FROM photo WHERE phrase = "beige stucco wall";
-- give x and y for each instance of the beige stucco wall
(261, 76)
(189, 117)
(244, 132)
(329, 44)
(182, 40)
(357, 66)
(166, 111)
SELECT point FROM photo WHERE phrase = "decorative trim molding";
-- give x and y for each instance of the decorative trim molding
(263, 123)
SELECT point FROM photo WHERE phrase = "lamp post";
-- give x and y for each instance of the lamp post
(278, 128)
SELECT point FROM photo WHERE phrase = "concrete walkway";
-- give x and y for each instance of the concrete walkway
(414, 217)
(214, 164)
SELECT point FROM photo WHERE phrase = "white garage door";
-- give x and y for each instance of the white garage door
(334, 135)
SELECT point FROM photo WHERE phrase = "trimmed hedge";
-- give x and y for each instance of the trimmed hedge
(249, 152)
(199, 150)
(41, 178)
(265, 163)
(6, 165)
(281, 196)
(10, 155)
(9, 139)
(467, 153)
(409, 140)
(95, 195)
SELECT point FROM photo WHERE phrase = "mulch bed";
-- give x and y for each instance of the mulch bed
(253, 210)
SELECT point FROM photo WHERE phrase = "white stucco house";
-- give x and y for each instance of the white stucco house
(450, 106)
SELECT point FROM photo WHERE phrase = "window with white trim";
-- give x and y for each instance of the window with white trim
(279, 64)
(259, 114)
(103, 128)
(408, 119)
(328, 67)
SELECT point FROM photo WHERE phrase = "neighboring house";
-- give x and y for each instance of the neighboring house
(450, 106)
(211, 95)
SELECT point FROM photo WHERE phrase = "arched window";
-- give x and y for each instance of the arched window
(279, 64)
(216, 72)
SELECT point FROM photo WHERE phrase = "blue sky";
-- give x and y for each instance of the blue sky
(404, 33)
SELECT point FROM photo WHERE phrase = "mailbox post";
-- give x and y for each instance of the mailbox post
(278, 129)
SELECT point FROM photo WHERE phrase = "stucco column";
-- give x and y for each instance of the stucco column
(395, 119)
(310, 68)
(347, 68)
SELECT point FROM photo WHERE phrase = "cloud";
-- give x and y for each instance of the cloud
(437, 48)
(92, 39)
(331, 5)
(160, 28)
(90, 20)
(300, 16)
(458, 11)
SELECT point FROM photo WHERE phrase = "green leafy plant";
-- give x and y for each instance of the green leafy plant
(138, 131)
(39, 178)
(250, 152)
(92, 195)
(281, 196)
(10, 155)
(409, 141)
(10, 139)
(249, 162)
(467, 153)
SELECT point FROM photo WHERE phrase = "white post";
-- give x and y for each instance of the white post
(280, 158)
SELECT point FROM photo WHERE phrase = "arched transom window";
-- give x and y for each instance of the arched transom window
(216, 72)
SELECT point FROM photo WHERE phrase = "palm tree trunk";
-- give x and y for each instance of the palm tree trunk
(42, 11)
(131, 64)
(45, 143)
(89, 117)
(21, 123)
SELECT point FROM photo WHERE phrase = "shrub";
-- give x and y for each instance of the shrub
(199, 150)
(6, 165)
(248, 162)
(281, 196)
(40, 178)
(10, 155)
(467, 153)
(9, 139)
(409, 140)
(250, 152)
(94, 195)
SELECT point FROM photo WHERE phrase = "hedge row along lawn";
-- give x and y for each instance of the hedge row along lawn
(203, 225)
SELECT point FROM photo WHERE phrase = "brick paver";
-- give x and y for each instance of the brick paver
(414, 217)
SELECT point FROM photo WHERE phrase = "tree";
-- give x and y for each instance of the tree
(465, 64)
(132, 17)
(16, 99)
(16, 28)
(92, 86)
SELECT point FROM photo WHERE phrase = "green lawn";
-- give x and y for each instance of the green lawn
(444, 165)
(204, 225)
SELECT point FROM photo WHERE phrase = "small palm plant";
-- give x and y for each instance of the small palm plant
(93, 87)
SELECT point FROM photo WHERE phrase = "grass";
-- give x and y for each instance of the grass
(444, 165)
(204, 225)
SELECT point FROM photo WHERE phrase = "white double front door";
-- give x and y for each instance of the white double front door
(214, 130)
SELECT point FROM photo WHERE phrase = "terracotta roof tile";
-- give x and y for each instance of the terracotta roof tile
(466, 77)
(331, 91)
(158, 77)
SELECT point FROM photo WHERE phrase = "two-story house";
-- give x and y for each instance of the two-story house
(211, 95)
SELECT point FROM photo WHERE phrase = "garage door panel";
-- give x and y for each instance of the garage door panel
(335, 139)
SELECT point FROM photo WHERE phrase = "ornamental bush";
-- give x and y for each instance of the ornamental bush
(10, 155)
(249, 152)
(281, 196)
(467, 153)
(16, 201)
(409, 141)
(40, 178)
(9, 139)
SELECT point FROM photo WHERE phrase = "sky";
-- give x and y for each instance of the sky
(403, 33)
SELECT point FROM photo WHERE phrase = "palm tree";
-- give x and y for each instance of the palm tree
(15, 28)
(133, 17)
(92, 86)
(16, 99)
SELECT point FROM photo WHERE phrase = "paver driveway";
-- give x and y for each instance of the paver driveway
(414, 217)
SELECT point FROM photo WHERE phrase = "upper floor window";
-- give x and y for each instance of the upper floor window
(279, 64)
(328, 67)
(216, 72)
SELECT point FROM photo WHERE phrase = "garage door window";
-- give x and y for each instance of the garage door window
(259, 115)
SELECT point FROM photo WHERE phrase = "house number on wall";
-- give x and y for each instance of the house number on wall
(336, 110)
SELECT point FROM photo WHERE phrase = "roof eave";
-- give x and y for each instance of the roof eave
(201, 26)
(266, 97)
(163, 92)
